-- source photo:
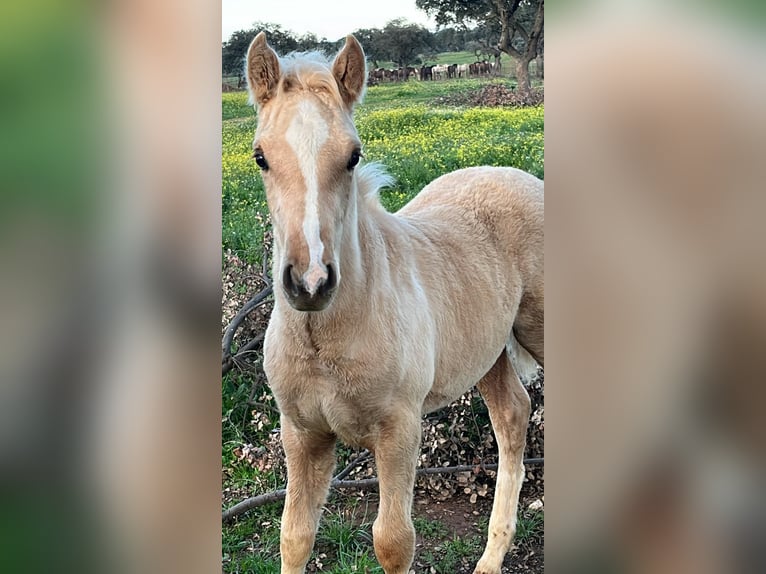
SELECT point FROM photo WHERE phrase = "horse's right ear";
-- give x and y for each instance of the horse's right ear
(262, 70)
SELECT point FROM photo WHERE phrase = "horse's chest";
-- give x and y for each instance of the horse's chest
(322, 396)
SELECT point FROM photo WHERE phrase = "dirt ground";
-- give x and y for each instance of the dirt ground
(462, 519)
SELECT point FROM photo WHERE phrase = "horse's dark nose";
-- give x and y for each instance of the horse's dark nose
(300, 297)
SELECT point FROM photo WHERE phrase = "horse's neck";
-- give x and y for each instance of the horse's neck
(362, 261)
(366, 253)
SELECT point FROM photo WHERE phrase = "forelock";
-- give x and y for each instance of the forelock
(308, 71)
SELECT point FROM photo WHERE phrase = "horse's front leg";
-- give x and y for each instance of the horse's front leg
(310, 462)
(396, 456)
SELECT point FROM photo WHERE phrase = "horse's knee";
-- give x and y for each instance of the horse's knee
(295, 546)
(394, 545)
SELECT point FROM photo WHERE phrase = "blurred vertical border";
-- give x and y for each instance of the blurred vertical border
(656, 287)
(109, 286)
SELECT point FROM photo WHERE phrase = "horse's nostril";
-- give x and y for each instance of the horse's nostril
(288, 281)
(329, 284)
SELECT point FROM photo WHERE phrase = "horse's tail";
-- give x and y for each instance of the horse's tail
(523, 363)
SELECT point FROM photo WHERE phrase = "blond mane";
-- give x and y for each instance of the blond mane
(371, 178)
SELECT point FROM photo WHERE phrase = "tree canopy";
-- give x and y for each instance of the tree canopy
(520, 24)
(484, 27)
(283, 41)
(403, 42)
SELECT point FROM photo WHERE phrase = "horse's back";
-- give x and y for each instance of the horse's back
(500, 206)
(484, 185)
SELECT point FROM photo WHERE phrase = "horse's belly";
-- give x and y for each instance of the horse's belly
(446, 390)
(457, 371)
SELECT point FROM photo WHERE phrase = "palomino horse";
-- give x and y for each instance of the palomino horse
(379, 317)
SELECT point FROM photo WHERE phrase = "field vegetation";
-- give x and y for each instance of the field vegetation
(403, 126)
(400, 128)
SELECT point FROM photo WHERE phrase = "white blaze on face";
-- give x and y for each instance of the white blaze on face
(306, 135)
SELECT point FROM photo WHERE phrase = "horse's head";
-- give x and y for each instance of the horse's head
(307, 148)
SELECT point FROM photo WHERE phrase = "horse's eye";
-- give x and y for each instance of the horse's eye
(354, 159)
(260, 160)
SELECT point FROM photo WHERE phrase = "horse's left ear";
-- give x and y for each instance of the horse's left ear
(349, 71)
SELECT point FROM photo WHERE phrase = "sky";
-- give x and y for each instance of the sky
(332, 19)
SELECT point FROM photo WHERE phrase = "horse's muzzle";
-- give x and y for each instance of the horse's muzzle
(300, 298)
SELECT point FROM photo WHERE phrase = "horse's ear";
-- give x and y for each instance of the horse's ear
(349, 71)
(262, 70)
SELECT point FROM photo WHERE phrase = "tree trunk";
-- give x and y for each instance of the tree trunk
(510, 27)
(522, 75)
(540, 66)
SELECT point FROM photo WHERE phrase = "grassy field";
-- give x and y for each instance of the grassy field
(418, 140)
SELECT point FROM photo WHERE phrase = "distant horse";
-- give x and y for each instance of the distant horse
(479, 68)
(379, 74)
(379, 317)
(440, 71)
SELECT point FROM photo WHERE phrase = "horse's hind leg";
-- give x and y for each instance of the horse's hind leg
(310, 461)
(529, 326)
(509, 408)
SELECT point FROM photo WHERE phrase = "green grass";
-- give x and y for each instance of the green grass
(430, 528)
(412, 93)
(249, 546)
(343, 546)
(450, 555)
(235, 105)
(530, 525)
(346, 545)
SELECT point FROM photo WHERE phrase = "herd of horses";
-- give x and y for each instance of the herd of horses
(433, 72)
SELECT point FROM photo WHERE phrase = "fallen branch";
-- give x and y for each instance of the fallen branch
(228, 360)
(228, 363)
(364, 455)
(279, 495)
